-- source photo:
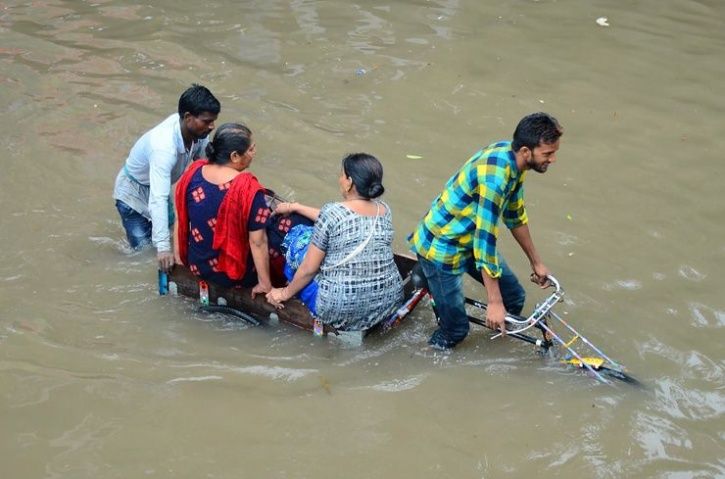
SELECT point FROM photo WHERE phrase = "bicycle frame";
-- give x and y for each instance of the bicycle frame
(518, 326)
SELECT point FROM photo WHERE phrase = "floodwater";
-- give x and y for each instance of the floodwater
(102, 378)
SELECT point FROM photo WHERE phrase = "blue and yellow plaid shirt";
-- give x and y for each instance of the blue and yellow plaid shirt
(463, 220)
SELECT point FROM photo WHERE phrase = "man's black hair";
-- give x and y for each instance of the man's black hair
(535, 129)
(197, 100)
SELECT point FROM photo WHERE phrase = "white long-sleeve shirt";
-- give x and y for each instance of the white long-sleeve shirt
(155, 162)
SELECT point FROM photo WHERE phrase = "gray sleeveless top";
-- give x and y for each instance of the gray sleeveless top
(365, 288)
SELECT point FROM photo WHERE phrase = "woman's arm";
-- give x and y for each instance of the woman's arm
(260, 256)
(305, 273)
(300, 209)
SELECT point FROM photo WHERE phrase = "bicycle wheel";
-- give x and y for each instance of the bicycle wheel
(599, 365)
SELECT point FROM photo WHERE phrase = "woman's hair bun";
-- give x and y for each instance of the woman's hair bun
(376, 189)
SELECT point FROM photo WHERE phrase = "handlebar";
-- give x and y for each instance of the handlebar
(541, 310)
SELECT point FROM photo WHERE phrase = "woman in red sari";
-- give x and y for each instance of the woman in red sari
(222, 214)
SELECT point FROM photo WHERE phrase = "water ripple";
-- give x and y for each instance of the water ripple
(685, 402)
(402, 384)
(705, 316)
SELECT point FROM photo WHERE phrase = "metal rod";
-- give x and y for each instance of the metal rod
(575, 354)
(406, 308)
(586, 341)
(543, 344)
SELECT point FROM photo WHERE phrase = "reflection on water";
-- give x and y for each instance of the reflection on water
(100, 377)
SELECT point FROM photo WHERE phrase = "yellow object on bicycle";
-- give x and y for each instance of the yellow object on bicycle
(596, 363)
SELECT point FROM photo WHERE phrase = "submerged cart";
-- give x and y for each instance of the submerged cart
(239, 303)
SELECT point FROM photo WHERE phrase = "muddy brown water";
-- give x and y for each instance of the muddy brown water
(102, 378)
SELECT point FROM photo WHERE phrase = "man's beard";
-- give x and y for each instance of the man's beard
(538, 167)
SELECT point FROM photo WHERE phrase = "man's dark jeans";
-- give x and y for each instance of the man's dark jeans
(138, 227)
(447, 291)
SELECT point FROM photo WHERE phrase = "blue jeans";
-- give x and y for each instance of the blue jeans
(138, 227)
(447, 291)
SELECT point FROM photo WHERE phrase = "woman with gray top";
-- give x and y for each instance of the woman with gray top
(350, 253)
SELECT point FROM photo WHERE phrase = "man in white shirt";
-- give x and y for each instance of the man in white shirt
(157, 160)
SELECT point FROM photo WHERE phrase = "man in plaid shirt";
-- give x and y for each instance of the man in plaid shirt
(458, 234)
